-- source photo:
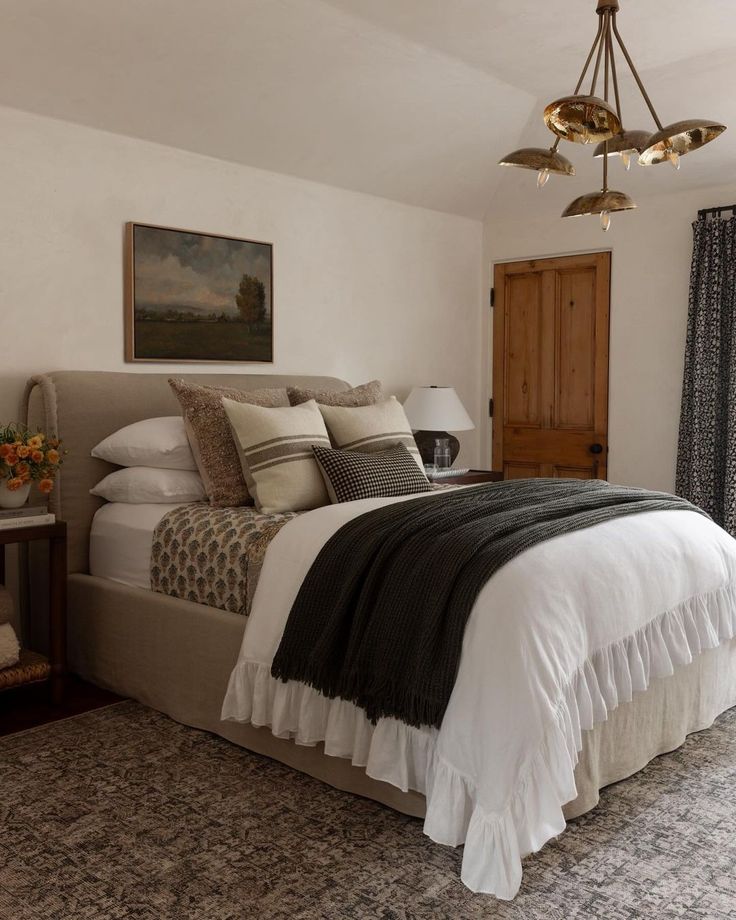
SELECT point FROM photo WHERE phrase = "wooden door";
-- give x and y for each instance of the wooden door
(550, 367)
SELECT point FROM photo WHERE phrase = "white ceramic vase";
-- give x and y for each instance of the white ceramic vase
(13, 499)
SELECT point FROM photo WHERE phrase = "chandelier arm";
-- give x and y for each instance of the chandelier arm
(556, 144)
(606, 61)
(614, 78)
(606, 42)
(590, 56)
(601, 43)
(633, 69)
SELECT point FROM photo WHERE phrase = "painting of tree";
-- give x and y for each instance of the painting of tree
(251, 299)
(197, 296)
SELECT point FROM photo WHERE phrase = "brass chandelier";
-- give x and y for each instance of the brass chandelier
(589, 119)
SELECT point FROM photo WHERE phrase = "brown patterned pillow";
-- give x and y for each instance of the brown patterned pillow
(365, 395)
(212, 442)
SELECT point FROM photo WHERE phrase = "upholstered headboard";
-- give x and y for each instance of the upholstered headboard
(83, 407)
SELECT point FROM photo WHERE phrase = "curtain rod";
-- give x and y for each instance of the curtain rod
(704, 211)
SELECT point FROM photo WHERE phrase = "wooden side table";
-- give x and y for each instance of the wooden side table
(32, 666)
(471, 478)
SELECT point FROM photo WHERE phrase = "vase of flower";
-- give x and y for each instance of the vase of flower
(13, 498)
(26, 457)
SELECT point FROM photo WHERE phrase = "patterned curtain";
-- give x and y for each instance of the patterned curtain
(706, 458)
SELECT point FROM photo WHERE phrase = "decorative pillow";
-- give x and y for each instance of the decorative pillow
(275, 447)
(159, 442)
(137, 485)
(350, 475)
(371, 428)
(212, 443)
(365, 395)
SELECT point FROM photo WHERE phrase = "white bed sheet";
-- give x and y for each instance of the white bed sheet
(121, 539)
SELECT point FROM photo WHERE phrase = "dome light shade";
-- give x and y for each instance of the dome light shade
(679, 138)
(539, 158)
(582, 119)
(624, 142)
(596, 202)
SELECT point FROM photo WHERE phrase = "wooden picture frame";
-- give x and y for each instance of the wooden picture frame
(193, 297)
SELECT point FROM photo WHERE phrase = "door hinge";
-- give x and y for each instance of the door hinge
(490, 408)
(493, 297)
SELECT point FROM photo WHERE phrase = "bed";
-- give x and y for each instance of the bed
(148, 645)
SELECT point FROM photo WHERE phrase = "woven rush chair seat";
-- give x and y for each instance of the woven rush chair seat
(31, 668)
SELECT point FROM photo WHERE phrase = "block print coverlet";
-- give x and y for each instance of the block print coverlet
(212, 556)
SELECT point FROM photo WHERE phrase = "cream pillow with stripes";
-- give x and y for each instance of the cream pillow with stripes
(371, 428)
(275, 450)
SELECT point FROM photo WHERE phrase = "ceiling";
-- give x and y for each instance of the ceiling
(414, 100)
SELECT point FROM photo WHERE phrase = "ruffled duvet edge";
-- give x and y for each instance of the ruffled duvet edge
(406, 757)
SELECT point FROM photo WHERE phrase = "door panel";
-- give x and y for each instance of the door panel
(521, 471)
(550, 367)
(524, 344)
(575, 365)
(569, 472)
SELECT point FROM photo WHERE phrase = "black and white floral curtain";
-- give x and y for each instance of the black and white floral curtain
(706, 459)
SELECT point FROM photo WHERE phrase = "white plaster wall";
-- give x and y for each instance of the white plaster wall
(651, 250)
(363, 287)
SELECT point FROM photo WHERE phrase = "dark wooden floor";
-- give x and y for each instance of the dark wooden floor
(26, 707)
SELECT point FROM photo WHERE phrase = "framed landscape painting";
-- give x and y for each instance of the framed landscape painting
(196, 296)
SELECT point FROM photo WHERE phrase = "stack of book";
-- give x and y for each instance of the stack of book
(27, 516)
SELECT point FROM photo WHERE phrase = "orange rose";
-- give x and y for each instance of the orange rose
(37, 456)
(11, 458)
(23, 471)
(45, 485)
(54, 442)
(35, 442)
(22, 450)
(14, 484)
(52, 456)
(4, 450)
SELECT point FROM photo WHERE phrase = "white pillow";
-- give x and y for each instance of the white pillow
(138, 485)
(157, 442)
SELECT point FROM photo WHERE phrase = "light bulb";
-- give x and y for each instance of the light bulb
(626, 159)
(542, 178)
(674, 158)
(605, 221)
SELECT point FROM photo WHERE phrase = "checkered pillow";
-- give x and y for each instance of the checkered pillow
(350, 474)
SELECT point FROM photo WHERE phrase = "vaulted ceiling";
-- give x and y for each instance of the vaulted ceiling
(413, 100)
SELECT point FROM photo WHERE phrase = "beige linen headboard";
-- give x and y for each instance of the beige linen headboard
(83, 407)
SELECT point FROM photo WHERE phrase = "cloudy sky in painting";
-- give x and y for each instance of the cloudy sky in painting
(191, 272)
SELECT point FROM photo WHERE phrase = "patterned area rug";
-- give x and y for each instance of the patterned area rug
(122, 813)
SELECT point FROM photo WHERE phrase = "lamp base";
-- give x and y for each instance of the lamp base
(425, 442)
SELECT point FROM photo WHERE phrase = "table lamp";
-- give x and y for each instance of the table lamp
(432, 412)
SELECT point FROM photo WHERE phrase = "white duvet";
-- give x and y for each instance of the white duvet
(556, 640)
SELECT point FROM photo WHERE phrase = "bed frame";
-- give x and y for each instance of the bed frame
(176, 656)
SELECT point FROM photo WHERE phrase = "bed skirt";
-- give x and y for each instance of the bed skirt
(147, 646)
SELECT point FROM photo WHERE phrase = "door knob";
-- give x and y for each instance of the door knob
(596, 448)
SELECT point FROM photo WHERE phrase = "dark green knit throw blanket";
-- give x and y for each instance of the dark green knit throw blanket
(380, 616)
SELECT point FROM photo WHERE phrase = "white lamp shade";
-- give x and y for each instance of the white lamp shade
(436, 409)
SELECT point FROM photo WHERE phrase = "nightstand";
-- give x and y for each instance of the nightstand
(34, 667)
(471, 478)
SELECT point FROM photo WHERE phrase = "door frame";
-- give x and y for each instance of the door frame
(602, 259)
